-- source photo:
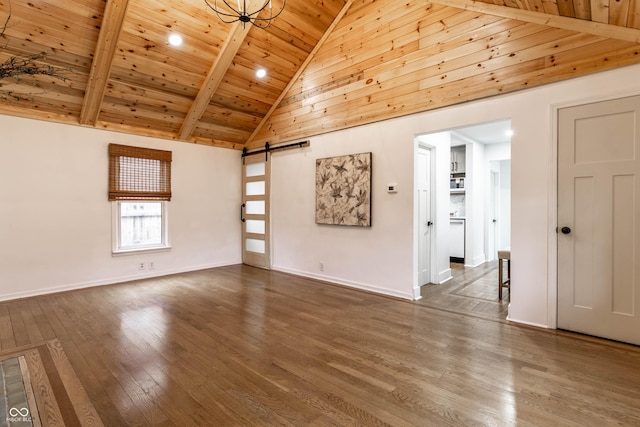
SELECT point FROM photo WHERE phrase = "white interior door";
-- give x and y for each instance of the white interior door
(493, 241)
(256, 172)
(425, 221)
(599, 219)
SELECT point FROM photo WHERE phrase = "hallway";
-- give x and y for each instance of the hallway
(472, 291)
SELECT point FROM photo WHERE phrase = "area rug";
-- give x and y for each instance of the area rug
(38, 387)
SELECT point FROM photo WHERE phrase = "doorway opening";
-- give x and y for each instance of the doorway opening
(469, 211)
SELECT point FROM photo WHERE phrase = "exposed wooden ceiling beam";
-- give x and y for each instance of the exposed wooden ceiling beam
(217, 71)
(297, 75)
(112, 20)
(572, 24)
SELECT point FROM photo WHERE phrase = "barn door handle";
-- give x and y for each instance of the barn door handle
(242, 212)
(565, 230)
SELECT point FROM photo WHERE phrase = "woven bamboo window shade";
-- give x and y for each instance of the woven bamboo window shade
(137, 173)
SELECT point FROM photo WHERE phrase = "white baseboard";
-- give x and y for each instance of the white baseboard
(348, 283)
(112, 280)
(476, 261)
(444, 276)
(523, 322)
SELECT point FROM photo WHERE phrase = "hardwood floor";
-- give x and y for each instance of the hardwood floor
(472, 291)
(244, 346)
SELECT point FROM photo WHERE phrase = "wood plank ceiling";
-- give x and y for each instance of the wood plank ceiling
(331, 64)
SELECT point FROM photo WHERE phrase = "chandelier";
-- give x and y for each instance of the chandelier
(229, 14)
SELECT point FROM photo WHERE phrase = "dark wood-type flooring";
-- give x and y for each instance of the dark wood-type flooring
(243, 346)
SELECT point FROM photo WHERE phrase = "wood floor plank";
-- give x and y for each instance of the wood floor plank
(243, 346)
(30, 331)
(44, 330)
(7, 339)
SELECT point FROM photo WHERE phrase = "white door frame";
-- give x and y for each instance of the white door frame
(416, 219)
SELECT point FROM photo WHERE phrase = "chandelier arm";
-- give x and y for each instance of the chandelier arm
(284, 2)
(231, 21)
(221, 13)
(229, 6)
(259, 10)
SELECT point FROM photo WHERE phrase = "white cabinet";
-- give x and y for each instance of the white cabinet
(458, 159)
(456, 239)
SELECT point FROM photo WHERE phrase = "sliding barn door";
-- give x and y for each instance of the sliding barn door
(256, 171)
(599, 219)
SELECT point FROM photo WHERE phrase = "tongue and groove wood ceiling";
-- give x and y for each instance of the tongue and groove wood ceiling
(331, 64)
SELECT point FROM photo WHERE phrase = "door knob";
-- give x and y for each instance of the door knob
(565, 230)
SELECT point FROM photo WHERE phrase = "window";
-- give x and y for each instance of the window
(140, 226)
(140, 189)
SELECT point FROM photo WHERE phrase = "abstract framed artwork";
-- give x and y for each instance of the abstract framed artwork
(343, 190)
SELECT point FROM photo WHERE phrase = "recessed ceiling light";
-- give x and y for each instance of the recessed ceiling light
(175, 39)
(261, 72)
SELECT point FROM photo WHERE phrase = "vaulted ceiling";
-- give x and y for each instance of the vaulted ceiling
(331, 64)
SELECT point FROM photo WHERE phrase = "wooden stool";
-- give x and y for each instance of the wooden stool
(504, 255)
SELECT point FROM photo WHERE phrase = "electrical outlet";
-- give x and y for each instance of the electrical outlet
(152, 265)
(141, 265)
(322, 266)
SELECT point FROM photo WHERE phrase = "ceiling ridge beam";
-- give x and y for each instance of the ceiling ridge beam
(301, 70)
(112, 21)
(218, 69)
(572, 24)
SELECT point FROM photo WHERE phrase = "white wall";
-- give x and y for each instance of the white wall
(505, 204)
(501, 151)
(378, 258)
(55, 220)
(476, 199)
(381, 258)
